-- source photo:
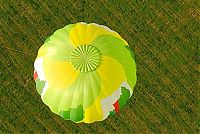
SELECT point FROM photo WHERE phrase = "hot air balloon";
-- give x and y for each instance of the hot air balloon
(85, 72)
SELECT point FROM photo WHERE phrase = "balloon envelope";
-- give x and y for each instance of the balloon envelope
(85, 72)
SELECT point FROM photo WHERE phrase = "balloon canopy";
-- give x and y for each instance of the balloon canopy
(85, 72)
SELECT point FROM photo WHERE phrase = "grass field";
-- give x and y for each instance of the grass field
(164, 35)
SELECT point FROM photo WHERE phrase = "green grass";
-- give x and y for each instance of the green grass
(164, 35)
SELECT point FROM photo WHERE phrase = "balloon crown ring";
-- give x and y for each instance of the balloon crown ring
(85, 58)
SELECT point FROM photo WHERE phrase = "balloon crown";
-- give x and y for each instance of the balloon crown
(85, 58)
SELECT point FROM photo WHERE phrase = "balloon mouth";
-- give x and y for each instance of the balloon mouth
(85, 58)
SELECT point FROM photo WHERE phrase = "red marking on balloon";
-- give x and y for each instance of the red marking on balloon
(35, 75)
(116, 105)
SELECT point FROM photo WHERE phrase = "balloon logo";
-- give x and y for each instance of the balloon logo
(85, 72)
